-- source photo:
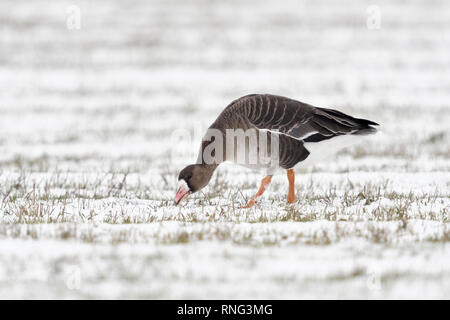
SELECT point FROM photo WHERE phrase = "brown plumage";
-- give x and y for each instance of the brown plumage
(294, 124)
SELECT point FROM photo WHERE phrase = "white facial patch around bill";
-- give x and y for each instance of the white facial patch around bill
(182, 184)
(183, 191)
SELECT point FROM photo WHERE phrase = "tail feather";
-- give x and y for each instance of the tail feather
(366, 131)
(330, 123)
(363, 126)
(342, 116)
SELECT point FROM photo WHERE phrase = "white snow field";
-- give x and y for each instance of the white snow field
(97, 121)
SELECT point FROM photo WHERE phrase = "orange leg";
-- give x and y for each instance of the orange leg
(291, 177)
(264, 182)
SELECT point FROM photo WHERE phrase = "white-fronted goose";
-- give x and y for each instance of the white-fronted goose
(299, 130)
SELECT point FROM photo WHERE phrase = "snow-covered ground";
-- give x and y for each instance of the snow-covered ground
(90, 149)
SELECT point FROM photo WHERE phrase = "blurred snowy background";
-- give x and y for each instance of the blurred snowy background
(91, 93)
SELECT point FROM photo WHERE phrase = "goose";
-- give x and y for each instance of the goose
(295, 132)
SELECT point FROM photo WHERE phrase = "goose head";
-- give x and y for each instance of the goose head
(192, 179)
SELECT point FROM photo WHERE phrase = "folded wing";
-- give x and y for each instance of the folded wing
(300, 120)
